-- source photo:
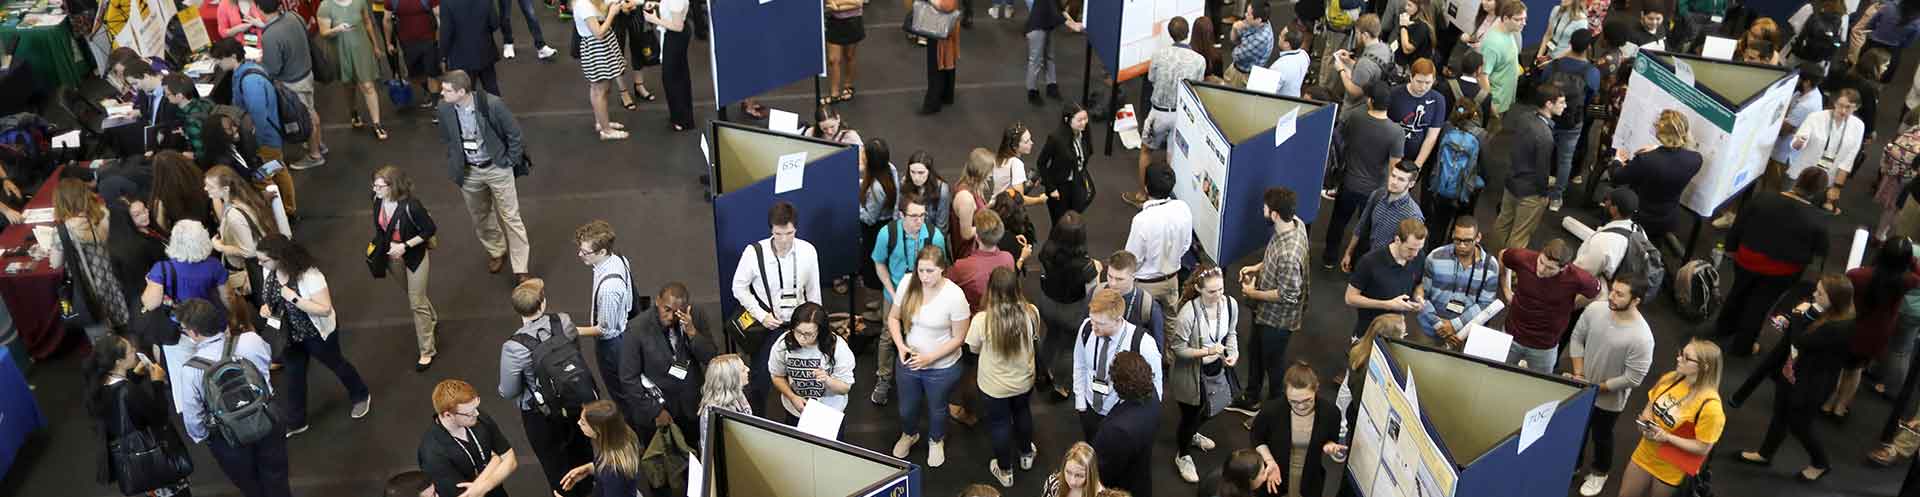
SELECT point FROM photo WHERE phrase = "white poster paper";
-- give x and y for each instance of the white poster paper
(1858, 250)
(1576, 228)
(1465, 14)
(1683, 71)
(1412, 392)
(783, 121)
(1535, 424)
(1284, 128)
(821, 420)
(70, 139)
(1198, 153)
(790, 171)
(705, 152)
(1264, 80)
(1487, 313)
(696, 477)
(205, 90)
(1488, 343)
(1719, 48)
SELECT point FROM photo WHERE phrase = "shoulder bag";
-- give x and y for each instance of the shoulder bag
(144, 459)
(525, 165)
(76, 306)
(929, 21)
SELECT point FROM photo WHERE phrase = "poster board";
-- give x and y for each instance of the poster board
(746, 455)
(1733, 109)
(761, 45)
(194, 28)
(1225, 154)
(746, 176)
(1125, 33)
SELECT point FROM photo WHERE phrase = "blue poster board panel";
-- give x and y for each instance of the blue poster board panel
(1537, 13)
(19, 412)
(1103, 31)
(1544, 468)
(759, 46)
(1299, 164)
(829, 219)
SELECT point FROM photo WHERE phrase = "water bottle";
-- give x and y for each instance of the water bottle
(1719, 253)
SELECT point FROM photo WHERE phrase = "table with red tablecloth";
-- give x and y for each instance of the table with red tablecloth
(32, 295)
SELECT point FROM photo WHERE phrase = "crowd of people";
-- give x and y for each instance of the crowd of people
(186, 253)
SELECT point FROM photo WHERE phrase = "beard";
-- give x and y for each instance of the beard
(1619, 308)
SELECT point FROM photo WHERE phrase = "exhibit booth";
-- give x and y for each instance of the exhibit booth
(753, 167)
(746, 455)
(1471, 428)
(1230, 145)
(1733, 111)
(775, 46)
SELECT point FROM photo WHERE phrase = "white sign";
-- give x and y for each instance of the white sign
(820, 420)
(790, 171)
(705, 152)
(1198, 153)
(1488, 343)
(696, 477)
(1858, 250)
(1535, 424)
(1464, 13)
(1719, 48)
(1263, 80)
(783, 121)
(1284, 128)
(70, 139)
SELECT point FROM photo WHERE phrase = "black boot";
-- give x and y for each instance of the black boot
(1033, 97)
(1053, 91)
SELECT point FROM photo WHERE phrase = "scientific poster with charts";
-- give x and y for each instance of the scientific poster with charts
(1733, 139)
(1392, 454)
(1198, 153)
(1142, 29)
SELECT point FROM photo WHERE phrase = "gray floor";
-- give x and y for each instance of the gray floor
(648, 190)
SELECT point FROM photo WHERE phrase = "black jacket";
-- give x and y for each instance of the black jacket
(1124, 446)
(1824, 352)
(1659, 177)
(1529, 140)
(645, 351)
(466, 35)
(1062, 168)
(1780, 228)
(1274, 429)
(412, 220)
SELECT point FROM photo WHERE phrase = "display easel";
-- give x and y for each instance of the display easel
(1226, 150)
(744, 455)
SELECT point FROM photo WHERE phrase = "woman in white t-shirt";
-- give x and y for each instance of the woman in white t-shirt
(1009, 172)
(296, 299)
(600, 58)
(929, 350)
(801, 367)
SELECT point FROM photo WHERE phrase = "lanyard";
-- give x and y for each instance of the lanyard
(1835, 135)
(475, 462)
(1474, 272)
(780, 269)
(1210, 326)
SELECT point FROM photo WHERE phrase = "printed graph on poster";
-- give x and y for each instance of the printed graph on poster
(1127, 32)
(1733, 112)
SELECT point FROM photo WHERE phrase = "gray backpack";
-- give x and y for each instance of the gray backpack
(236, 396)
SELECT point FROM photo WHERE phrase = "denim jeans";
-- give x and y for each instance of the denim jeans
(1010, 425)
(526, 11)
(1039, 58)
(1566, 142)
(926, 388)
(327, 351)
(1538, 360)
(606, 351)
(1892, 369)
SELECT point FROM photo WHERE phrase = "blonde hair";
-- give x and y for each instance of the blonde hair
(528, 295)
(614, 444)
(723, 388)
(1671, 129)
(1707, 366)
(74, 199)
(979, 170)
(1080, 453)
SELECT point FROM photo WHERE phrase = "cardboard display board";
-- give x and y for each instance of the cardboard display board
(1471, 427)
(745, 455)
(1733, 109)
(1125, 33)
(1230, 145)
(749, 177)
(758, 46)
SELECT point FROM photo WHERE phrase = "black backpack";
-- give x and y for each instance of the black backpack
(633, 306)
(562, 382)
(295, 117)
(236, 396)
(1642, 258)
(1820, 38)
(1573, 84)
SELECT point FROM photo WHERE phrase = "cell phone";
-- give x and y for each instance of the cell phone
(1645, 425)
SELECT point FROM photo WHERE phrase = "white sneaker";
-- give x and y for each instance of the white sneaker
(361, 408)
(993, 12)
(1724, 221)
(297, 431)
(1592, 486)
(1026, 460)
(1202, 442)
(936, 453)
(904, 445)
(507, 53)
(1185, 465)
(1328, 194)
(545, 53)
(1004, 476)
(1554, 205)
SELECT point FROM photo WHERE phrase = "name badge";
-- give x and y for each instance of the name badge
(1717, 19)
(1100, 387)
(678, 372)
(470, 145)
(251, 38)
(273, 323)
(1456, 307)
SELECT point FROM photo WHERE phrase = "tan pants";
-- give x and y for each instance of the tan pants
(493, 202)
(1167, 293)
(1235, 78)
(415, 286)
(1519, 216)
(282, 179)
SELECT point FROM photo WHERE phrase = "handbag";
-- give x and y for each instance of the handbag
(145, 459)
(76, 307)
(326, 59)
(929, 21)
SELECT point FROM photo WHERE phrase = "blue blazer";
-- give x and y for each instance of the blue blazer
(466, 34)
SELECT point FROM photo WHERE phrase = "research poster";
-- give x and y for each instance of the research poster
(1391, 451)
(1733, 141)
(1143, 29)
(1198, 153)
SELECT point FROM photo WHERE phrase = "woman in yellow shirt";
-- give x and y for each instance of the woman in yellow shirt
(1681, 422)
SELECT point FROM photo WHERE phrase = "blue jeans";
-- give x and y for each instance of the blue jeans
(606, 351)
(925, 388)
(533, 22)
(1010, 425)
(1893, 368)
(327, 351)
(1566, 142)
(1538, 360)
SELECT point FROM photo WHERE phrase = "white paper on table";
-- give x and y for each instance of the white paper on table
(1129, 138)
(790, 171)
(1488, 343)
(1683, 71)
(70, 139)
(1535, 423)
(1264, 80)
(1487, 313)
(1576, 228)
(696, 476)
(1285, 127)
(251, 53)
(37, 216)
(783, 121)
(44, 235)
(206, 90)
(821, 420)
(1718, 48)
(1859, 249)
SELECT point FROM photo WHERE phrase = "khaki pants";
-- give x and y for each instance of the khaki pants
(282, 178)
(415, 286)
(1167, 293)
(493, 202)
(1493, 123)
(1235, 78)
(1519, 216)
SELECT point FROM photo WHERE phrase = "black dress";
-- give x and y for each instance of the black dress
(1062, 166)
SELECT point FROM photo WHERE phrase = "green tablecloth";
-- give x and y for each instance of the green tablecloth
(51, 50)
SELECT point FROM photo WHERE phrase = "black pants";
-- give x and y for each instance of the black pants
(1190, 420)
(676, 78)
(1010, 426)
(1748, 301)
(869, 235)
(488, 79)
(1269, 362)
(1793, 418)
(559, 446)
(1090, 423)
(1344, 206)
(939, 82)
(1600, 439)
(327, 351)
(759, 343)
(1440, 213)
(258, 469)
(1063, 323)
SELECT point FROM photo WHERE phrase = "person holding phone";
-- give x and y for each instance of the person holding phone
(295, 298)
(1682, 421)
(1612, 347)
(127, 393)
(676, 75)
(927, 324)
(363, 55)
(1805, 367)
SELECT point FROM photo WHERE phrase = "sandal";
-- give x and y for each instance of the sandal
(627, 102)
(640, 90)
(357, 123)
(379, 132)
(1884, 456)
(846, 94)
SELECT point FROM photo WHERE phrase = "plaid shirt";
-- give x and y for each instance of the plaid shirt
(1256, 43)
(193, 114)
(1446, 280)
(1283, 268)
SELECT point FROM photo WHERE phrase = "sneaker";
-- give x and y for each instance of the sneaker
(936, 453)
(881, 393)
(1577, 179)
(1554, 205)
(545, 53)
(297, 431)
(1248, 405)
(994, 13)
(1202, 442)
(1328, 194)
(1724, 221)
(1185, 465)
(1026, 460)
(507, 53)
(1593, 485)
(361, 408)
(1033, 97)
(1005, 476)
(903, 445)
(312, 161)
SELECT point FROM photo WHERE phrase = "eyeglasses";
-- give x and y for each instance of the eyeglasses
(1684, 358)
(1306, 402)
(1464, 241)
(465, 414)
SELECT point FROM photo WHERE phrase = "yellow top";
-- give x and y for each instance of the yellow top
(1705, 413)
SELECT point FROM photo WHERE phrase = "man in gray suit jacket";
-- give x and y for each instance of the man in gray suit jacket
(483, 150)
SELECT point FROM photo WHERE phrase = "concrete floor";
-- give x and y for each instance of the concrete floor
(649, 192)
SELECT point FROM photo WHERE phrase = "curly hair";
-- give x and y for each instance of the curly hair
(190, 242)
(1132, 377)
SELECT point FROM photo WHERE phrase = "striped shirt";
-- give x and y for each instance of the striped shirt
(1381, 219)
(1446, 280)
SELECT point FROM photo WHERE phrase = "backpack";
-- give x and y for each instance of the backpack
(1820, 38)
(1696, 289)
(293, 124)
(1457, 177)
(236, 396)
(1642, 258)
(561, 380)
(1337, 18)
(1573, 84)
(26, 143)
(633, 309)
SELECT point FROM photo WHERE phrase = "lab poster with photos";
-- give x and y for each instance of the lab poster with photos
(1127, 32)
(1734, 141)
(1392, 454)
(1198, 151)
